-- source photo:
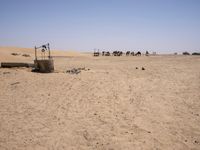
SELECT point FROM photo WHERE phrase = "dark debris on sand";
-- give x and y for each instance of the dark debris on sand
(76, 70)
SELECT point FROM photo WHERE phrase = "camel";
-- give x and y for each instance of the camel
(147, 53)
(107, 54)
(117, 53)
(128, 53)
(138, 53)
(132, 54)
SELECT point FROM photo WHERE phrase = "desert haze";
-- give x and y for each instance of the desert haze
(112, 104)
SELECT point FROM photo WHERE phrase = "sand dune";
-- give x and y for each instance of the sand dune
(110, 105)
(5, 54)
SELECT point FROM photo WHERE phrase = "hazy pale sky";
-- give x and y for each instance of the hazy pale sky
(154, 25)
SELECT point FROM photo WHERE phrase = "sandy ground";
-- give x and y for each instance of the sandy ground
(111, 106)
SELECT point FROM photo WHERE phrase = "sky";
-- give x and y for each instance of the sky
(154, 25)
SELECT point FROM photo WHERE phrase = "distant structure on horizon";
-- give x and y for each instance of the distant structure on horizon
(154, 53)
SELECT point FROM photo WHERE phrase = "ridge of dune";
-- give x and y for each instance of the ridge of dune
(6, 53)
(65, 53)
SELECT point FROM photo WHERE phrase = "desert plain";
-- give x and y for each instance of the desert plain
(110, 105)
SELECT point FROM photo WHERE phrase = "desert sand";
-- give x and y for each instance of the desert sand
(110, 105)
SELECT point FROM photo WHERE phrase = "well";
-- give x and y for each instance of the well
(44, 66)
(44, 63)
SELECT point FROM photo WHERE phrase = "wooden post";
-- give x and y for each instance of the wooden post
(49, 51)
(35, 53)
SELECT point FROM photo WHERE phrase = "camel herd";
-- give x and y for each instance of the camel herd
(119, 53)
